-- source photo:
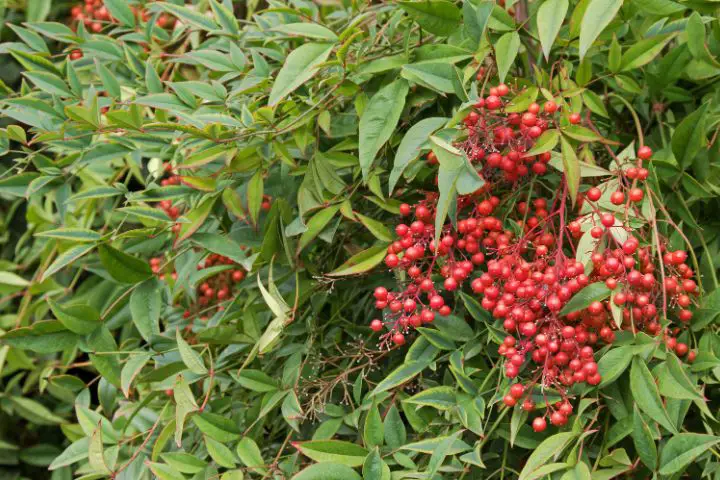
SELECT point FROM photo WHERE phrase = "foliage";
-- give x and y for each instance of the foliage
(265, 151)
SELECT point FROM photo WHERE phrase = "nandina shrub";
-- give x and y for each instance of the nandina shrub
(349, 240)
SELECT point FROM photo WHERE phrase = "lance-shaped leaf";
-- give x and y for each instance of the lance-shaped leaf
(300, 66)
(550, 18)
(598, 15)
(379, 120)
(184, 405)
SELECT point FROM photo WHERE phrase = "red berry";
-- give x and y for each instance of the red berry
(575, 118)
(539, 424)
(636, 195)
(550, 107)
(617, 198)
(558, 419)
(594, 194)
(392, 260)
(376, 325)
(517, 390)
(644, 152)
(607, 219)
(493, 102)
(381, 293)
(398, 339)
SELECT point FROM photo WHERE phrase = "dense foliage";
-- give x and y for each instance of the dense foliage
(343, 240)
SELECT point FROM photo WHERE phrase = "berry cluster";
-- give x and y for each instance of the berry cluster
(212, 292)
(529, 281)
(95, 15)
(497, 140)
(171, 210)
(217, 288)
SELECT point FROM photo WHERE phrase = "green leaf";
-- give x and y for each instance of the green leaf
(184, 405)
(190, 16)
(78, 235)
(123, 267)
(545, 142)
(441, 452)
(327, 471)
(152, 79)
(34, 411)
(595, 103)
(316, 225)
(437, 338)
(379, 120)
(506, 49)
(250, 455)
(333, 451)
(646, 395)
(374, 468)
(196, 218)
(361, 262)
(571, 169)
(309, 30)
(456, 175)
(436, 76)
(441, 398)
(373, 430)
(78, 318)
(592, 293)
(220, 453)
(12, 280)
(643, 52)
(37, 10)
(404, 373)
(550, 448)
(257, 381)
(216, 426)
(255, 195)
(643, 439)
(96, 457)
(184, 462)
(164, 472)
(550, 17)
(377, 228)
(394, 427)
(522, 101)
(598, 15)
(300, 66)
(190, 357)
(476, 17)
(75, 452)
(49, 83)
(682, 449)
(120, 10)
(689, 137)
(695, 29)
(41, 337)
(145, 307)
(439, 17)
(225, 17)
(206, 155)
(614, 363)
(132, 369)
(220, 244)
